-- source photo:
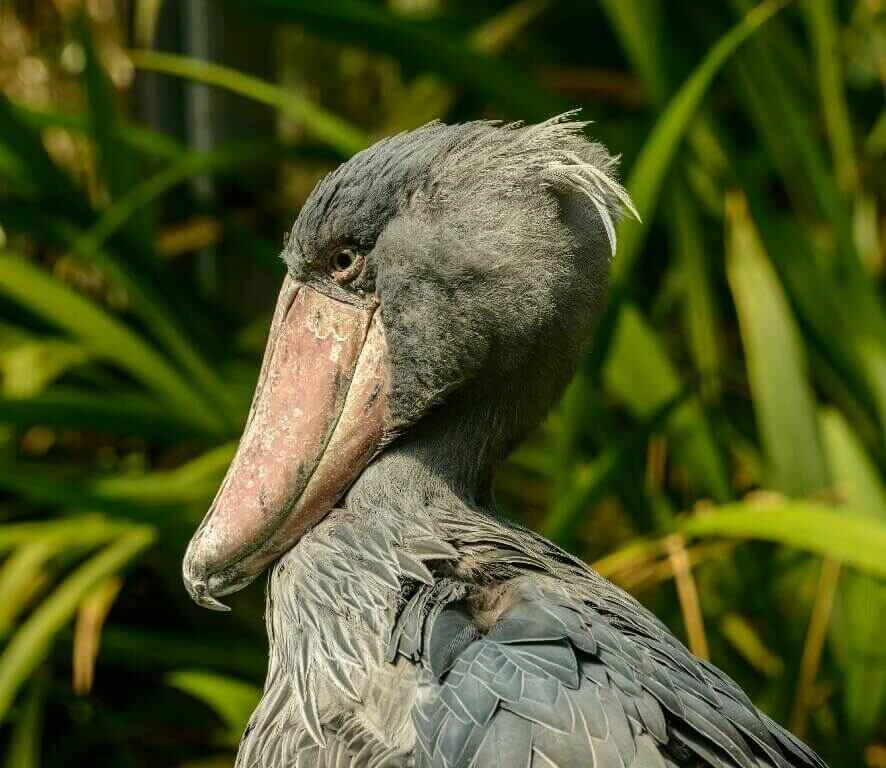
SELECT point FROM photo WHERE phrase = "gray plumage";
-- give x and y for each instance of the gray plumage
(411, 627)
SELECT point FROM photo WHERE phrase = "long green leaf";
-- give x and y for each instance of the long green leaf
(780, 118)
(640, 374)
(649, 172)
(138, 137)
(20, 576)
(27, 738)
(320, 123)
(822, 22)
(195, 481)
(102, 334)
(700, 314)
(231, 699)
(819, 528)
(31, 643)
(111, 413)
(136, 199)
(648, 175)
(828, 318)
(639, 24)
(856, 630)
(783, 400)
(77, 531)
(118, 166)
(35, 173)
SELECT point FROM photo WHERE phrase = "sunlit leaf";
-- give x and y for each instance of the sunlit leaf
(28, 367)
(100, 333)
(782, 397)
(857, 628)
(31, 642)
(196, 480)
(819, 528)
(321, 124)
(22, 575)
(77, 531)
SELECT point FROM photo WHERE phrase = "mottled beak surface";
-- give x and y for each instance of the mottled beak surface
(318, 415)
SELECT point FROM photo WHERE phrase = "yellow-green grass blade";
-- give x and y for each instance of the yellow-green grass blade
(825, 35)
(857, 625)
(30, 644)
(103, 335)
(75, 531)
(650, 171)
(29, 366)
(783, 400)
(20, 578)
(822, 529)
(193, 482)
(27, 735)
(320, 123)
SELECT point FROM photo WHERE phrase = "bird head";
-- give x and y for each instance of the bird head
(450, 269)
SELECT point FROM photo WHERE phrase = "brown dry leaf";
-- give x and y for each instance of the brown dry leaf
(87, 632)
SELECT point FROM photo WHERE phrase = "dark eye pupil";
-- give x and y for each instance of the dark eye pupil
(343, 260)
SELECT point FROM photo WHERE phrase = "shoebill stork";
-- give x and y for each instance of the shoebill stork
(441, 289)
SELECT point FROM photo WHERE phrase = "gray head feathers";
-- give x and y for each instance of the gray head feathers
(483, 161)
(488, 246)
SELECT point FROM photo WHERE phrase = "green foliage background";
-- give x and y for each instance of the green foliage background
(721, 453)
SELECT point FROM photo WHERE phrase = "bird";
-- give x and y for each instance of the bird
(441, 290)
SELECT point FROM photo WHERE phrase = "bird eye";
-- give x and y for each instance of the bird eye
(345, 265)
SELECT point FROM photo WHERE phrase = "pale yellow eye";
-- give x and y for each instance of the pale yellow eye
(345, 265)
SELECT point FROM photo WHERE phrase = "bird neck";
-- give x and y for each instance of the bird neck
(452, 452)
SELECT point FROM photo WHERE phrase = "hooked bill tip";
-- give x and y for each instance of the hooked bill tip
(202, 597)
